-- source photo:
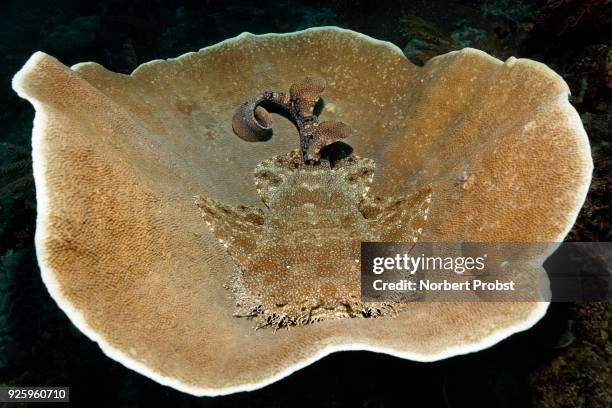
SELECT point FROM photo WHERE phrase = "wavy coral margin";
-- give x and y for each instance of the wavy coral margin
(78, 319)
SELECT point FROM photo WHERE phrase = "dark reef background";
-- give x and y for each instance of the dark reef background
(563, 361)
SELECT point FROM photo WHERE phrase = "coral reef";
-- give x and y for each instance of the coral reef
(145, 156)
(80, 33)
(580, 375)
(568, 16)
(570, 36)
(424, 39)
(16, 197)
(594, 222)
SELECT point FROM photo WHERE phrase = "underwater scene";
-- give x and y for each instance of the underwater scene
(306, 203)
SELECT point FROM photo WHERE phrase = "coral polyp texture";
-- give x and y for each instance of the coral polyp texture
(465, 148)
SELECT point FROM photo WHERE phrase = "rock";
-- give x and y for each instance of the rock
(80, 33)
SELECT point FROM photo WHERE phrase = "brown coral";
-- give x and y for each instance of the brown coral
(118, 159)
